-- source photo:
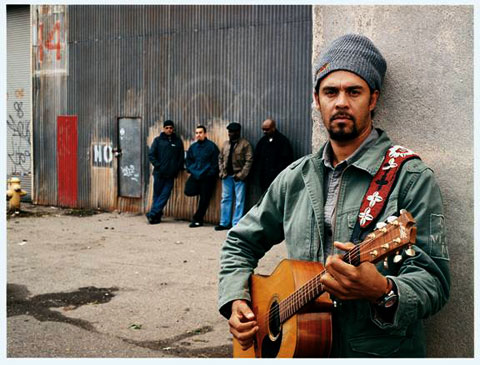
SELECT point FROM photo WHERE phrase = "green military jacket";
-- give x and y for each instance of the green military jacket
(292, 210)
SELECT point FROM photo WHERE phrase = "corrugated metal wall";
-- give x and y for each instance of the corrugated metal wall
(19, 91)
(193, 64)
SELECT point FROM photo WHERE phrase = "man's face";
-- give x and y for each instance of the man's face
(200, 134)
(268, 128)
(345, 102)
(168, 130)
(233, 135)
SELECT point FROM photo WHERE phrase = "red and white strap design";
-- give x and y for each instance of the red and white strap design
(382, 183)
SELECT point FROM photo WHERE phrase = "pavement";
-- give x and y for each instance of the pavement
(91, 284)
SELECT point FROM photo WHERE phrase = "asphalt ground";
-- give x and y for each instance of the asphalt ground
(88, 284)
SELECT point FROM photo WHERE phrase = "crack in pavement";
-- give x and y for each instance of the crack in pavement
(169, 345)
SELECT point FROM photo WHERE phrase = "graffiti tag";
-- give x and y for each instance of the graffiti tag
(19, 151)
(129, 171)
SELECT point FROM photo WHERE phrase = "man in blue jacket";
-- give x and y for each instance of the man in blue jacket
(202, 164)
(166, 156)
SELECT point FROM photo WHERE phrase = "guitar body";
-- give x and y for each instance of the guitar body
(293, 311)
(305, 334)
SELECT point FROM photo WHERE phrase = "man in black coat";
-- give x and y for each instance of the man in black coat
(272, 154)
(166, 155)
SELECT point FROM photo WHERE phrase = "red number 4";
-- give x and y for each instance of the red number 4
(52, 43)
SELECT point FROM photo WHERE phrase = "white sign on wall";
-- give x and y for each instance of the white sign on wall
(102, 154)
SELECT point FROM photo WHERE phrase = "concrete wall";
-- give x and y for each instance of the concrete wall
(427, 105)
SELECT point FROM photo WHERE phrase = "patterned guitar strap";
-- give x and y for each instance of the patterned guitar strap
(378, 192)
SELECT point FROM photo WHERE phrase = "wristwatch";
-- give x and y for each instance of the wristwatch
(390, 297)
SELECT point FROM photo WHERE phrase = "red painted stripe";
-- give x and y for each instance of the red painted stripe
(67, 146)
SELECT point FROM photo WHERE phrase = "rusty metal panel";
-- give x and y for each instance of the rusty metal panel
(193, 64)
(253, 64)
(50, 69)
(257, 67)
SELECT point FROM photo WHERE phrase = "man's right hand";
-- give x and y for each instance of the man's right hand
(243, 325)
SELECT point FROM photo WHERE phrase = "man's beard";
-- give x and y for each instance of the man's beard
(341, 134)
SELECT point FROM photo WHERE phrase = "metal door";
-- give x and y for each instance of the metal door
(129, 154)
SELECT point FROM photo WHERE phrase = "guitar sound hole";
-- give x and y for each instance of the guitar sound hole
(274, 320)
(270, 344)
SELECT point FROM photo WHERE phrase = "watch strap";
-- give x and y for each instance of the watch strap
(390, 292)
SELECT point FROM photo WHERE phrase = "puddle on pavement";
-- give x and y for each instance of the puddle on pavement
(19, 302)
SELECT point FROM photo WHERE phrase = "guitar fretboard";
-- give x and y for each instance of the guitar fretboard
(293, 303)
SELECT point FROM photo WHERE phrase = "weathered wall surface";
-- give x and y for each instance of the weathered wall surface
(426, 104)
(49, 84)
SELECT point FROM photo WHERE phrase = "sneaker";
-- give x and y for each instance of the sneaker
(221, 228)
(195, 224)
(152, 220)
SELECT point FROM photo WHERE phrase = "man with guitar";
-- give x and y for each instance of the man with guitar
(322, 203)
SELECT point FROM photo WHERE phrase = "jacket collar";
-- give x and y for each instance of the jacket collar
(368, 160)
(164, 136)
(202, 142)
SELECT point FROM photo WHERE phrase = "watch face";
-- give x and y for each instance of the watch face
(390, 301)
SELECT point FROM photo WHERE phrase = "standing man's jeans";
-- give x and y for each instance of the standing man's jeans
(162, 187)
(230, 187)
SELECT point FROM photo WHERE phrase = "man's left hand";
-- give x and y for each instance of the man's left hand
(347, 282)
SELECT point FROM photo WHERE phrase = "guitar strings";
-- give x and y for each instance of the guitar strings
(311, 289)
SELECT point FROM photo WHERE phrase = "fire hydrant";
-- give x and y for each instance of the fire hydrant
(14, 193)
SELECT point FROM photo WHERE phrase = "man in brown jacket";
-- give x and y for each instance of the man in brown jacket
(235, 161)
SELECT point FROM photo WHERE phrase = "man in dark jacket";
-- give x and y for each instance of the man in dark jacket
(272, 154)
(202, 164)
(166, 156)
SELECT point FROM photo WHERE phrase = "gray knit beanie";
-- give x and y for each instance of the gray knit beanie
(355, 53)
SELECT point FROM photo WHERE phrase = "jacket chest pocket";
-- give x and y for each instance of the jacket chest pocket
(239, 156)
(352, 219)
(344, 224)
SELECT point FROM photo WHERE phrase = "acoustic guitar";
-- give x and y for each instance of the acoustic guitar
(292, 309)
